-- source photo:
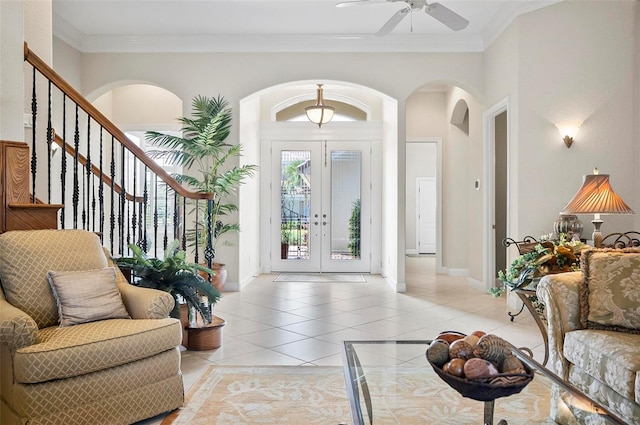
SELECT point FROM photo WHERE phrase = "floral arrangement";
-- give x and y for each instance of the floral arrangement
(548, 256)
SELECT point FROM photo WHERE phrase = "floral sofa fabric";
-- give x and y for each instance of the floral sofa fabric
(112, 371)
(604, 364)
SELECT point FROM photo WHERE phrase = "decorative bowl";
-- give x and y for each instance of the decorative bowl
(486, 388)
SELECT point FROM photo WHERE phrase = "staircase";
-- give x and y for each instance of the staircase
(80, 171)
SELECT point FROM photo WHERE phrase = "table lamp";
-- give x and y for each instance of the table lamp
(596, 196)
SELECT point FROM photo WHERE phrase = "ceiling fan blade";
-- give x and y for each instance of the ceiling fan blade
(446, 16)
(393, 22)
(358, 2)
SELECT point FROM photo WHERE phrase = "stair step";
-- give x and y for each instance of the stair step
(21, 216)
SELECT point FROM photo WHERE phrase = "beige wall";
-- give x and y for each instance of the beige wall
(11, 70)
(568, 73)
(68, 62)
(144, 107)
(462, 204)
(637, 114)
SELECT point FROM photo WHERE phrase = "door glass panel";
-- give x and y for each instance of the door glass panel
(346, 173)
(295, 203)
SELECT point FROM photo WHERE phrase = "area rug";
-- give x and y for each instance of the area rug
(235, 395)
(240, 395)
(320, 277)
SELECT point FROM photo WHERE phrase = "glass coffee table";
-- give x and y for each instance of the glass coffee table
(390, 382)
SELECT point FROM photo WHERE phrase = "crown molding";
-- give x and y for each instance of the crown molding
(271, 43)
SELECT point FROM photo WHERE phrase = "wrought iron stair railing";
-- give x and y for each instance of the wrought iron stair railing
(105, 182)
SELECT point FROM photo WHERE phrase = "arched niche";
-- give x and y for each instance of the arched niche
(460, 116)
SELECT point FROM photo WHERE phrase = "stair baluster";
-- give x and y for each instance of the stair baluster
(63, 163)
(112, 172)
(101, 187)
(76, 182)
(86, 204)
(34, 157)
(49, 141)
(155, 215)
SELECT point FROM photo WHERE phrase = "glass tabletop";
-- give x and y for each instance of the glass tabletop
(391, 382)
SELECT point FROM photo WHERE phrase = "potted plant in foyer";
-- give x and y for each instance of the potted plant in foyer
(173, 274)
(203, 152)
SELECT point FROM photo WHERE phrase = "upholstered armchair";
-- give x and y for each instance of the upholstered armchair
(593, 319)
(78, 343)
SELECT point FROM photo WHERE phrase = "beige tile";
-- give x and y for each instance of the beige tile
(298, 323)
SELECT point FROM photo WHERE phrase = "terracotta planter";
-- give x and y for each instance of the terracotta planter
(219, 279)
(221, 276)
(184, 321)
(207, 337)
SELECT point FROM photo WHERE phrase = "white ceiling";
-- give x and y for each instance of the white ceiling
(275, 25)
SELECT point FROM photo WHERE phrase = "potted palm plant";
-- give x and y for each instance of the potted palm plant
(202, 151)
(175, 275)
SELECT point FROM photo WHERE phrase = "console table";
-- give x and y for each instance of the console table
(525, 296)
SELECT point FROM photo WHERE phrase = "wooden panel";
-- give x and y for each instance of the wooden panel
(17, 212)
(16, 160)
(32, 217)
(14, 176)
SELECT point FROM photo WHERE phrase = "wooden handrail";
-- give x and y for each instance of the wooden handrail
(91, 110)
(95, 170)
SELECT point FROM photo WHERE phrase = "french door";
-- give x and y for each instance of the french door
(320, 206)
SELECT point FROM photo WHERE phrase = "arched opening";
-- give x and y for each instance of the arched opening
(136, 109)
(268, 124)
(443, 158)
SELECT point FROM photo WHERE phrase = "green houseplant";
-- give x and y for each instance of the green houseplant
(354, 230)
(173, 274)
(548, 256)
(203, 153)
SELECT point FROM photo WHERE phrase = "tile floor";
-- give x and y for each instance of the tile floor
(296, 323)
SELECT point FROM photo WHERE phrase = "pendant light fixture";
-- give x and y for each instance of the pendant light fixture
(319, 113)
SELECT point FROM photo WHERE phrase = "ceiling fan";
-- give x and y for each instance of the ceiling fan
(443, 14)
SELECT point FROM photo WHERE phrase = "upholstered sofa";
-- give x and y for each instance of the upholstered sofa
(593, 322)
(78, 344)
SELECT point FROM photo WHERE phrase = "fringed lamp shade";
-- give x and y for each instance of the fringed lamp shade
(596, 196)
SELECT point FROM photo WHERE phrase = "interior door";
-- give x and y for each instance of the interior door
(426, 215)
(320, 206)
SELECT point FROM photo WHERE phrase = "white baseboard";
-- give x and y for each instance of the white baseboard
(476, 284)
(455, 272)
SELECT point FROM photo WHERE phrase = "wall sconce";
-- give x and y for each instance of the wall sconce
(319, 113)
(567, 132)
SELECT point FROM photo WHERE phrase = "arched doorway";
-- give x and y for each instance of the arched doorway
(337, 153)
(444, 153)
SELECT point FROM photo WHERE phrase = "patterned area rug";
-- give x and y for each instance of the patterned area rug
(238, 395)
(320, 277)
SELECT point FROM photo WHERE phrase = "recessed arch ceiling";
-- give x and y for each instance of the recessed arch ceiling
(274, 25)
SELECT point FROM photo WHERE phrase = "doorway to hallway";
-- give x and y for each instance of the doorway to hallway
(320, 206)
